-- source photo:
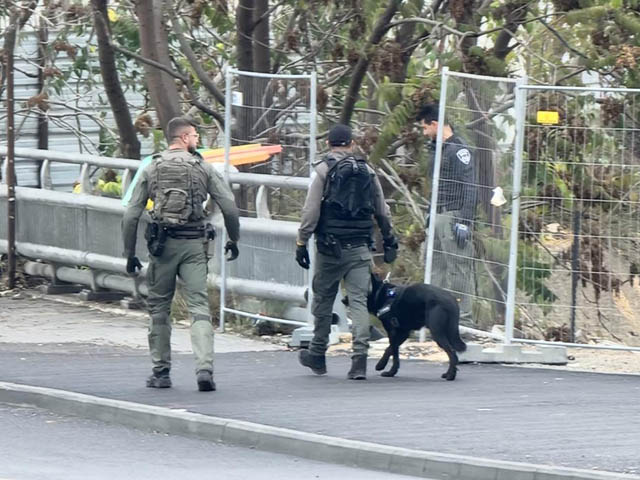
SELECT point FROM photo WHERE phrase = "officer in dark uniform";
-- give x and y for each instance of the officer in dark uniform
(344, 253)
(457, 198)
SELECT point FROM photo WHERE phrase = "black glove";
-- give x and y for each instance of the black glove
(390, 245)
(232, 247)
(302, 257)
(132, 264)
(462, 234)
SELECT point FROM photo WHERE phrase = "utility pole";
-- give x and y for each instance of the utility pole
(11, 172)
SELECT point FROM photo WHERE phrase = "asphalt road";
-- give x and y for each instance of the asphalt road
(37, 444)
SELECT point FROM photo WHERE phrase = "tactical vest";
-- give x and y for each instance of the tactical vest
(347, 201)
(178, 187)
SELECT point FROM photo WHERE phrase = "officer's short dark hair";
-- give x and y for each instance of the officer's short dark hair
(176, 126)
(428, 113)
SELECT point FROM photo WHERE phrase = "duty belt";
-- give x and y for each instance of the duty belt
(186, 232)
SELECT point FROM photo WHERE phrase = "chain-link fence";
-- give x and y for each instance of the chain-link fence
(269, 144)
(470, 161)
(579, 227)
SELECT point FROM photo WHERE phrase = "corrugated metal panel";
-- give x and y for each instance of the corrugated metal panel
(71, 128)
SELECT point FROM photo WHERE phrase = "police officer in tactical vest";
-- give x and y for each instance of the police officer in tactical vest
(178, 181)
(457, 199)
(343, 200)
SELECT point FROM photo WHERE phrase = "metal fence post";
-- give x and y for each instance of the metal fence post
(521, 111)
(431, 229)
(312, 156)
(10, 171)
(227, 147)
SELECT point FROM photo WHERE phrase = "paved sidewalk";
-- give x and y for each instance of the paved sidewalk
(537, 416)
(589, 421)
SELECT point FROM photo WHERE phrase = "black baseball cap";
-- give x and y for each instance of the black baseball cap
(339, 135)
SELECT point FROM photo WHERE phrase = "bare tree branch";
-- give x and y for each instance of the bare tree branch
(129, 143)
(394, 179)
(380, 29)
(193, 61)
(562, 40)
(183, 78)
(433, 23)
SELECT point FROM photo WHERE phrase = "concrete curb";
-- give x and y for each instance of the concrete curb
(281, 440)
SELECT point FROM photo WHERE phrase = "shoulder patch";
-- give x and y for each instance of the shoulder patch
(464, 155)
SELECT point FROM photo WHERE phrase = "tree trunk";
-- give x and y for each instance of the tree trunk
(404, 38)
(245, 25)
(262, 63)
(361, 67)
(242, 132)
(261, 50)
(154, 45)
(129, 143)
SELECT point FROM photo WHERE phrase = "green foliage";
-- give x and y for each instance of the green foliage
(403, 114)
(532, 273)
(108, 143)
(628, 22)
(159, 141)
(125, 32)
(400, 117)
(586, 15)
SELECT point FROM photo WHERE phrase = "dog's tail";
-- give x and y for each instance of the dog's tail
(453, 330)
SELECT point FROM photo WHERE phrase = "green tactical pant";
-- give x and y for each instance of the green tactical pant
(452, 266)
(355, 268)
(186, 259)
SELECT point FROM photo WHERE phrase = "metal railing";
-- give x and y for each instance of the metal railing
(81, 230)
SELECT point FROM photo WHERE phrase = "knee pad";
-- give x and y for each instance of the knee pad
(161, 320)
(202, 318)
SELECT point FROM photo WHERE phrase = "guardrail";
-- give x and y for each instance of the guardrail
(67, 231)
(129, 167)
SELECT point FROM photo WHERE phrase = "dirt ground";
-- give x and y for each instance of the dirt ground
(579, 359)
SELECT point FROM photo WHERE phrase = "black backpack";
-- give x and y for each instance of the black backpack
(348, 189)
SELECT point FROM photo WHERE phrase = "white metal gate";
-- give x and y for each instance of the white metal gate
(579, 225)
(559, 262)
(275, 110)
(482, 112)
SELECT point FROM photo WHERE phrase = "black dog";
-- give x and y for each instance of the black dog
(402, 309)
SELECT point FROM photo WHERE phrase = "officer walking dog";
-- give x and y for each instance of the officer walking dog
(178, 182)
(402, 309)
(343, 200)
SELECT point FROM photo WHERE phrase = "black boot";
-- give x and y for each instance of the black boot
(358, 368)
(205, 381)
(316, 363)
(159, 379)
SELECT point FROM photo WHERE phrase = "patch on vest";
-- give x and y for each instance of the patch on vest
(464, 155)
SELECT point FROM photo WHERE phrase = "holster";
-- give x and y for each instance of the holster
(156, 236)
(209, 237)
(329, 245)
(209, 232)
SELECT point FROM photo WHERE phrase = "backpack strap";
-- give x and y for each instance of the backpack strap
(330, 161)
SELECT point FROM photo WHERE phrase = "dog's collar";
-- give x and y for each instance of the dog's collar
(377, 298)
(391, 297)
